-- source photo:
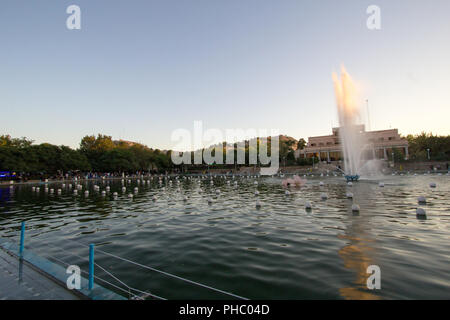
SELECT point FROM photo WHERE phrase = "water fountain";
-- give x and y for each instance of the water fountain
(352, 140)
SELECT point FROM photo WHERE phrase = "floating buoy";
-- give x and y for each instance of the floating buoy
(70, 186)
(136, 189)
(355, 207)
(154, 198)
(350, 183)
(287, 192)
(46, 189)
(256, 192)
(321, 183)
(75, 192)
(217, 191)
(103, 193)
(381, 184)
(38, 189)
(324, 196)
(124, 189)
(33, 189)
(421, 212)
(115, 194)
(421, 199)
(210, 201)
(86, 193)
(308, 205)
(432, 185)
(255, 183)
(108, 189)
(258, 204)
(59, 191)
(63, 185)
(349, 195)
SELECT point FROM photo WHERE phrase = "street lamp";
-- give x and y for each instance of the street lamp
(428, 151)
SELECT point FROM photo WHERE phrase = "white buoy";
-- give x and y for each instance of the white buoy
(258, 204)
(349, 195)
(103, 193)
(210, 201)
(421, 212)
(355, 207)
(108, 189)
(350, 183)
(124, 189)
(115, 194)
(432, 185)
(324, 196)
(321, 183)
(63, 185)
(86, 193)
(59, 191)
(421, 199)
(33, 189)
(136, 189)
(287, 192)
(46, 189)
(256, 193)
(75, 192)
(381, 184)
(217, 191)
(255, 183)
(130, 195)
(308, 205)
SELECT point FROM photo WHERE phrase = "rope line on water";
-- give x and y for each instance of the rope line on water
(157, 270)
(172, 275)
(111, 284)
(162, 272)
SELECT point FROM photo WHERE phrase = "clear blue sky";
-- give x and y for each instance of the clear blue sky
(137, 70)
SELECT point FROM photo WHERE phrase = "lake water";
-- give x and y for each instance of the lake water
(280, 251)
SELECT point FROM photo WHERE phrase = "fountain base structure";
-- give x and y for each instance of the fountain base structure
(352, 177)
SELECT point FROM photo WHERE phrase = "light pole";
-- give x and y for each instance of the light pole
(428, 151)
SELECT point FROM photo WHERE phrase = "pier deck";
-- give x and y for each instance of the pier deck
(19, 281)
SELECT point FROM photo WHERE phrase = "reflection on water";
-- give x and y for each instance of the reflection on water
(279, 251)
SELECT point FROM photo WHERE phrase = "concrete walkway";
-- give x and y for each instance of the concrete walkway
(19, 281)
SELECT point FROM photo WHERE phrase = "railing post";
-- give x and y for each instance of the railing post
(22, 238)
(91, 266)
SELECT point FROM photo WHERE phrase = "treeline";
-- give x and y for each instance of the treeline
(100, 154)
(439, 147)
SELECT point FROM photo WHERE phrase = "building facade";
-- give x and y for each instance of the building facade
(380, 145)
